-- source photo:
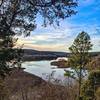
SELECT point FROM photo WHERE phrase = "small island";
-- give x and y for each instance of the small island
(61, 62)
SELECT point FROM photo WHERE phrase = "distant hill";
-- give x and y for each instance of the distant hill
(36, 52)
(31, 54)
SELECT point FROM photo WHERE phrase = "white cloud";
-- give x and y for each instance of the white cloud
(86, 2)
(58, 39)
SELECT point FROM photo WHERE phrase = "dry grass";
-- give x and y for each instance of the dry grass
(25, 86)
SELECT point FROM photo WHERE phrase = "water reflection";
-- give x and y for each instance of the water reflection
(42, 69)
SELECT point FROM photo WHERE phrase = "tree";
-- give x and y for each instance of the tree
(18, 17)
(91, 87)
(97, 94)
(80, 55)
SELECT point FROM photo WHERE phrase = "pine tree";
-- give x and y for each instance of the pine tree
(80, 56)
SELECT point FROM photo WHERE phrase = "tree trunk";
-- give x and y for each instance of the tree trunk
(80, 81)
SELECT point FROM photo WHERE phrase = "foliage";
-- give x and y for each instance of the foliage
(18, 17)
(97, 94)
(94, 64)
(80, 51)
(80, 55)
(70, 74)
(90, 88)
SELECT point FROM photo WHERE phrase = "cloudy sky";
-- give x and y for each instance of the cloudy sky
(60, 38)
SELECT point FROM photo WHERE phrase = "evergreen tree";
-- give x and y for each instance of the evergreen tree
(91, 87)
(80, 56)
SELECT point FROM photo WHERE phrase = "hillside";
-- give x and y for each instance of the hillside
(31, 54)
(25, 86)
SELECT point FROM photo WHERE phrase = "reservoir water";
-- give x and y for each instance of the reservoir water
(43, 69)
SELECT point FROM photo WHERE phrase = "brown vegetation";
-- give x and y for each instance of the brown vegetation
(25, 86)
(94, 63)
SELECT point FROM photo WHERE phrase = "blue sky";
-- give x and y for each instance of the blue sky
(60, 38)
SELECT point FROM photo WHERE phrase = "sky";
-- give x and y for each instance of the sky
(60, 38)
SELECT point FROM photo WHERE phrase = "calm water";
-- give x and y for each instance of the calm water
(43, 69)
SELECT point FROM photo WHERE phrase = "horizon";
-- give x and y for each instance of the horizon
(60, 38)
(56, 51)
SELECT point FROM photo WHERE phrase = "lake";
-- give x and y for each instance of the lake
(44, 70)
